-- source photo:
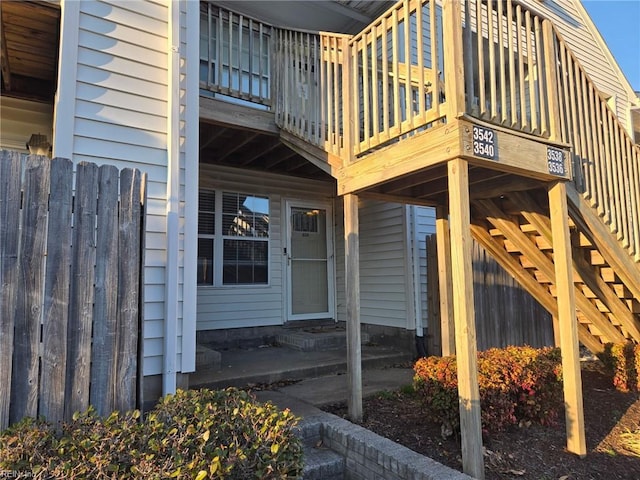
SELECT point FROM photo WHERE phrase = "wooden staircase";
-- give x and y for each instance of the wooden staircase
(516, 230)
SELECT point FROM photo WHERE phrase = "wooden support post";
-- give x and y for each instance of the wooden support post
(352, 287)
(551, 81)
(346, 151)
(453, 58)
(559, 214)
(464, 314)
(447, 326)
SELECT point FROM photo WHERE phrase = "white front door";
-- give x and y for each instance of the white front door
(309, 258)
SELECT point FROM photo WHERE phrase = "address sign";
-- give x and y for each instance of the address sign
(555, 161)
(485, 143)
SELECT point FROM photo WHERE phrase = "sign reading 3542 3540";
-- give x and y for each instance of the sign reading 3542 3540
(485, 143)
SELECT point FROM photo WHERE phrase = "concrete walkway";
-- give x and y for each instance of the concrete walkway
(334, 388)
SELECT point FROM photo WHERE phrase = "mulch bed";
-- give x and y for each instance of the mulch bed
(534, 452)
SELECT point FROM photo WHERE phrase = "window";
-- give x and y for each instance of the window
(233, 239)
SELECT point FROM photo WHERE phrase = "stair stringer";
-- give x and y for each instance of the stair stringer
(602, 316)
(589, 222)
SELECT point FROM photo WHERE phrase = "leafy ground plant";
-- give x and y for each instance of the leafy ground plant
(201, 434)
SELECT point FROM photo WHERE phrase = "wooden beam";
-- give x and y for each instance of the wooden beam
(443, 239)
(499, 186)
(464, 315)
(4, 56)
(352, 287)
(237, 116)
(524, 155)
(574, 409)
(260, 151)
(411, 155)
(394, 198)
(323, 160)
(237, 144)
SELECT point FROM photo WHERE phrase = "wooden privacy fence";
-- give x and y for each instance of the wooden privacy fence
(505, 313)
(70, 263)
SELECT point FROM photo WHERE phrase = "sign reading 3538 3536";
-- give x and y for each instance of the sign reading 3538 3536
(485, 143)
(555, 161)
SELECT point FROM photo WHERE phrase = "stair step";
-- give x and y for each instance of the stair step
(321, 463)
(316, 340)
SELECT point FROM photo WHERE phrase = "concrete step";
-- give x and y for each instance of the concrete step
(207, 358)
(320, 463)
(241, 368)
(316, 339)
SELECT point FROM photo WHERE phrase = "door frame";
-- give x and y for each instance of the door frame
(331, 270)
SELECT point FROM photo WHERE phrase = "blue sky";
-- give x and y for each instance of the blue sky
(619, 24)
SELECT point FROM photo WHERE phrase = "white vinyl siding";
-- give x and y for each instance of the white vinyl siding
(119, 117)
(238, 306)
(384, 299)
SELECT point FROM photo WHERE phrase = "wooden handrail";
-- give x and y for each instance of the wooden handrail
(606, 160)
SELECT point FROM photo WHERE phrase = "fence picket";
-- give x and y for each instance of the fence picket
(128, 289)
(103, 352)
(56, 292)
(82, 294)
(9, 242)
(29, 291)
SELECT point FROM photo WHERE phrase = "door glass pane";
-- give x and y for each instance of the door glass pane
(309, 233)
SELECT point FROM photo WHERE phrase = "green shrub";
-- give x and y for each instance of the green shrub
(225, 434)
(517, 384)
(192, 434)
(622, 363)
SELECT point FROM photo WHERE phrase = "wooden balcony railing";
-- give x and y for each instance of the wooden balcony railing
(504, 61)
(606, 160)
(310, 79)
(397, 65)
(422, 63)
